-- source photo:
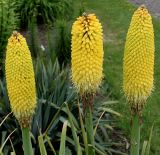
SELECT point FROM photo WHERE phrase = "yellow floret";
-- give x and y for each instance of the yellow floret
(87, 54)
(138, 67)
(20, 79)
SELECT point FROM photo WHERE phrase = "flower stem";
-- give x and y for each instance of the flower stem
(135, 135)
(89, 129)
(27, 146)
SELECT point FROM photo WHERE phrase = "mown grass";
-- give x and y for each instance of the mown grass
(115, 16)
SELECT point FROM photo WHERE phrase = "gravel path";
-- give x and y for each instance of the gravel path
(152, 5)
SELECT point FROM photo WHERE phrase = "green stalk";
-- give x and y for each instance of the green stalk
(135, 135)
(27, 146)
(84, 134)
(89, 129)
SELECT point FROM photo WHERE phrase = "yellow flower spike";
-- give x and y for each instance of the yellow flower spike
(87, 54)
(138, 66)
(20, 79)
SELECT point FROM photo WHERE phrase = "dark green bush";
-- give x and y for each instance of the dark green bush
(46, 11)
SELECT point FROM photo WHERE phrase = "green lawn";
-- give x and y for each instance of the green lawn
(115, 16)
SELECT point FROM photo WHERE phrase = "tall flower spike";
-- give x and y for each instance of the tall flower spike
(138, 66)
(20, 79)
(87, 54)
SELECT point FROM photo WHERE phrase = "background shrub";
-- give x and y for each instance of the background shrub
(9, 21)
(46, 11)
